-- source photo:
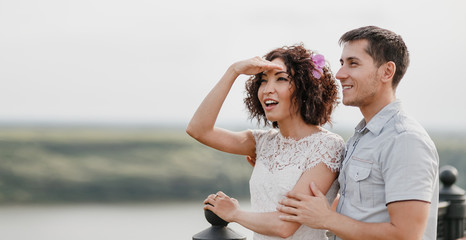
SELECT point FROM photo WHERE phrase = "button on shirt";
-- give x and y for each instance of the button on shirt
(392, 158)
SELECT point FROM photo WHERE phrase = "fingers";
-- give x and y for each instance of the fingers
(209, 207)
(315, 190)
(254, 66)
(268, 65)
(214, 197)
(295, 195)
(252, 161)
(290, 214)
(211, 198)
(288, 210)
(271, 66)
(221, 194)
(289, 218)
(208, 201)
(289, 202)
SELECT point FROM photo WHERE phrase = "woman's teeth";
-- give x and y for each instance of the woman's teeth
(270, 102)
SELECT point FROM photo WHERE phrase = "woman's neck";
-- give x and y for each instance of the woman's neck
(296, 128)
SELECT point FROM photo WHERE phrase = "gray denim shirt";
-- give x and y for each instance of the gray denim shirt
(392, 158)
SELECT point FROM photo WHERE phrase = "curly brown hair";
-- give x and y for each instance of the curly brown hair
(313, 98)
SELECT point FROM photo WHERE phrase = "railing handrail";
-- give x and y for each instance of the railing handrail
(452, 206)
(451, 224)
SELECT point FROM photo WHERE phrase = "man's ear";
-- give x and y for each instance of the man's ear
(388, 71)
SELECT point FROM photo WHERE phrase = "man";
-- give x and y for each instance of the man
(389, 177)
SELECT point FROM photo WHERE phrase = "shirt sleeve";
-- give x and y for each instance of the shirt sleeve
(409, 170)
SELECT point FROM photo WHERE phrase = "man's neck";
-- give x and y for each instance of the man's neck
(370, 110)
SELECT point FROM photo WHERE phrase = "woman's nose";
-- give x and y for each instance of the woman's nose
(268, 88)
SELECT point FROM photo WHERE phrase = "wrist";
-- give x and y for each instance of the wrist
(236, 216)
(232, 70)
(330, 220)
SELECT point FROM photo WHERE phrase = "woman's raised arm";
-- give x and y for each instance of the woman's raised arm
(202, 125)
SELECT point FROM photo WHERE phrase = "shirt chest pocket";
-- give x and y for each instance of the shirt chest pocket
(360, 187)
(358, 173)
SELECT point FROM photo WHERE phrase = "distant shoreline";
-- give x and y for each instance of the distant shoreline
(180, 126)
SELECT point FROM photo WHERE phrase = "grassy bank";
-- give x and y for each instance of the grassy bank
(43, 165)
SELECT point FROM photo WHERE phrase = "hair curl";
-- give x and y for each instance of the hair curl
(313, 98)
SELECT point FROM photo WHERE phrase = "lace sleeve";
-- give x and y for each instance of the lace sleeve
(258, 135)
(261, 136)
(329, 150)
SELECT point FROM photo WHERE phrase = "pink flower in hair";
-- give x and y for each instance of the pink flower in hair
(319, 63)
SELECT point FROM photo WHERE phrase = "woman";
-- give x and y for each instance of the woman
(292, 89)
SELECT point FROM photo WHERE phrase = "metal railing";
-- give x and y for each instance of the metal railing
(451, 224)
(452, 206)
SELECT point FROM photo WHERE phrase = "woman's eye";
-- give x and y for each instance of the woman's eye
(262, 81)
(282, 79)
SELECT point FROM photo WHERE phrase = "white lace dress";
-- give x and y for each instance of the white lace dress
(281, 161)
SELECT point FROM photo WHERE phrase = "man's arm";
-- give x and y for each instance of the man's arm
(408, 219)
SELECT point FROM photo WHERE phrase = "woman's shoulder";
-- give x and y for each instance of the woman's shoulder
(263, 137)
(331, 135)
(330, 148)
(330, 138)
(261, 133)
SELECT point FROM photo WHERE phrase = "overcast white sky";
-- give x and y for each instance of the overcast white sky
(141, 61)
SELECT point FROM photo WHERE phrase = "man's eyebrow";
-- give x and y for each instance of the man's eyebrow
(349, 59)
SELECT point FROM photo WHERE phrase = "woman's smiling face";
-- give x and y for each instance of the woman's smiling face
(275, 93)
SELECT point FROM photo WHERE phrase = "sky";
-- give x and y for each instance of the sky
(152, 62)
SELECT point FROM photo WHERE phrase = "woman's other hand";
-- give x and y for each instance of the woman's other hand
(222, 205)
(251, 160)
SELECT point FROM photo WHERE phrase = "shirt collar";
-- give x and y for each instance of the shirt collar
(377, 123)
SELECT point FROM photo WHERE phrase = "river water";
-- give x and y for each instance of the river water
(105, 222)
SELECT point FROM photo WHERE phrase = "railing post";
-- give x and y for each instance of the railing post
(456, 211)
(218, 230)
